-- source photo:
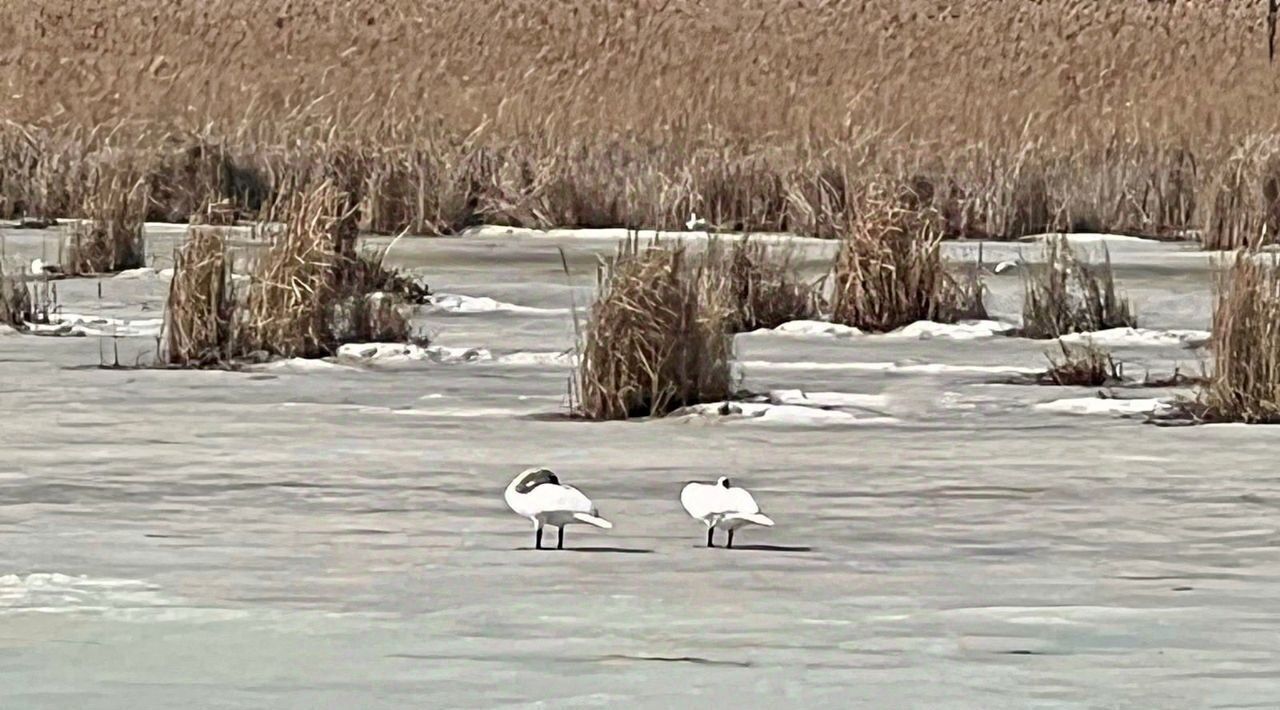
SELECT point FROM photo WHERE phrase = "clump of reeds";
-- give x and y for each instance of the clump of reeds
(1066, 294)
(1082, 366)
(16, 306)
(287, 311)
(889, 271)
(198, 313)
(1244, 385)
(308, 292)
(183, 182)
(110, 237)
(656, 338)
(764, 287)
(1245, 211)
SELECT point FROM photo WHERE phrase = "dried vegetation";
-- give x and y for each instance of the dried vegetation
(1006, 117)
(1065, 294)
(308, 290)
(1082, 366)
(889, 271)
(1244, 384)
(657, 337)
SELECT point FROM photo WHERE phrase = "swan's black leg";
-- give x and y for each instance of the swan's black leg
(537, 538)
(730, 545)
(710, 540)
(560, 539)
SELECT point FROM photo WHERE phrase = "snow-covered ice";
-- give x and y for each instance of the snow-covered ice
(388, 353)
(1139, 337)
(1104, 405)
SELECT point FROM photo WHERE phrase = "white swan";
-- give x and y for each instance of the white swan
(722, 505)
(539, 496)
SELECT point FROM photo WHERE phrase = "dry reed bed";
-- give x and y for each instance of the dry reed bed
(1014, 117)
(110, 237)
(1244, 384)
(657, 336)
(889, 271)
(1082, 366)
(309, 290)
(1069, 294)
(16, 307)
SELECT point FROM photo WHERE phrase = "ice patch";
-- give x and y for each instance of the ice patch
(923, 368)
(827, 399)
(407, 352)
(1099, 405)
(76, 325)
(52, 592)
(964, 330)
(457, 303)
(556, 359)
(644, 235)
(1139, 337)
(779, 413)
(812, 328)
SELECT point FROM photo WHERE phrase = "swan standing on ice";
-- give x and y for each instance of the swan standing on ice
(722, 505)
(539, 496)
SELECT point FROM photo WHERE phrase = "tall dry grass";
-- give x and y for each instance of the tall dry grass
(1244, 384)
(110, 237)
(762, 285)
(16, 306)
(1066, 293)
(309, 290)
(657, 336)
(201, 302)
(889, 271)
(1126, 116)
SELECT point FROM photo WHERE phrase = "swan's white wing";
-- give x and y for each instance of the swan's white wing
(701, 500)
(738, 500)
(549, 497)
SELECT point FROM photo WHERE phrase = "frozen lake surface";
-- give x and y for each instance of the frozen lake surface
(306, 537)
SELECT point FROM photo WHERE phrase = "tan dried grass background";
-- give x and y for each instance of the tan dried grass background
(1007, 116)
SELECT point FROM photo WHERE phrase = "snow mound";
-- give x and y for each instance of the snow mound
(299, 366)
(1099, 405)
(920, 368)
(556, 359)
(779, 413)
(457, 303)
(144, 272)
(810, 328)
(7, 330)
(407, 352)
(826, 400)
(76, 325)
(964, 330)
(1139, 337)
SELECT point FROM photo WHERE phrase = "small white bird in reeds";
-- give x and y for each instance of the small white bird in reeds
(538, 495)
(722, 505)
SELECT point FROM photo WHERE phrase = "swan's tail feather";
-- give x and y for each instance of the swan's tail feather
(757, 518)
(592, 520)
